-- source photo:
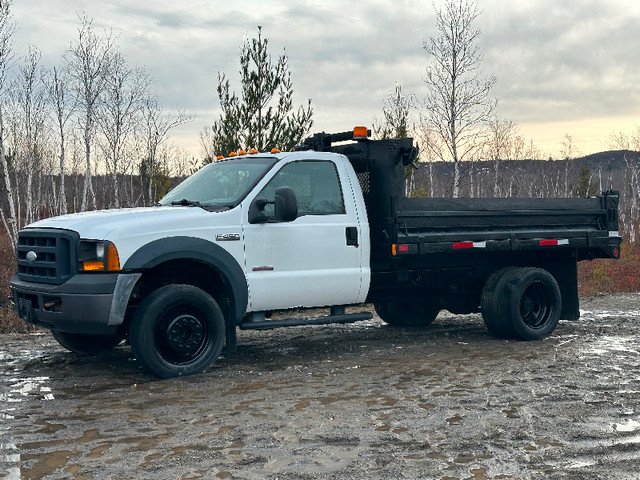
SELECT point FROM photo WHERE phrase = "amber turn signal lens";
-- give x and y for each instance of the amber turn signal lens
(92, 266)
(113, 260)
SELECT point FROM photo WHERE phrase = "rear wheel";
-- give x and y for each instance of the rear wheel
(521, 302)
(533, 302)
(86, 344)
(177, 330)
(417, 315)
(490, 305)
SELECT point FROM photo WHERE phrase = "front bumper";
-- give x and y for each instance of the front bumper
(88, 303)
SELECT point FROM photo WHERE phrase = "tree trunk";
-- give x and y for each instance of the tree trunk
(10, 223)
(431, 185)
(62, 199)
(456, 180)
(29, 205)
(116, 201)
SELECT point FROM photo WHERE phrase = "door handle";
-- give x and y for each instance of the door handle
(352, 236)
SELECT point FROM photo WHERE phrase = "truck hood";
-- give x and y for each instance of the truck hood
(100, 224)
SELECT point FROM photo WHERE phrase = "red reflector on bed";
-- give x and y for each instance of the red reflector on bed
(463, 245)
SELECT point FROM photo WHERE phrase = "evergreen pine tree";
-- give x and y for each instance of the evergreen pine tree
(585, 188)
(263, 116)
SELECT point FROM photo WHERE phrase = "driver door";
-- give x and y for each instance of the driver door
(313, 260)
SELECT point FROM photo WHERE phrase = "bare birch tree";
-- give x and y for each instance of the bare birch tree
(630, 192)
(458, 102)
(503, 143)
(568, 152)
(7, 28)
(63, 107)
(88, 62)
(29, 94)
(124, 95)
(156, 126)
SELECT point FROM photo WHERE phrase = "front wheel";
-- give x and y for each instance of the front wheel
(417, 315)
(177, 330)
(86, 344)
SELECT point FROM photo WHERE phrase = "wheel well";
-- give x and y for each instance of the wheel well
(182, 271)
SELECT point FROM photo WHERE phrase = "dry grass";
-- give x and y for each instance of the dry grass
(611, 276)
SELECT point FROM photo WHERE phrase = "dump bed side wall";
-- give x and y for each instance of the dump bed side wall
(588, 226)
(484, 214)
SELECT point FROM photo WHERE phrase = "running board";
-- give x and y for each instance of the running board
(298, 322)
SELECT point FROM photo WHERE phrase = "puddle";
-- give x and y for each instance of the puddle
(15, 390)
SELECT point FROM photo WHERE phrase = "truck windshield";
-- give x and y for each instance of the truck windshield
(220, 184)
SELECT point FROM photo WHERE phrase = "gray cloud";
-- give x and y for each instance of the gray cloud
(565, 59)
(554, 60)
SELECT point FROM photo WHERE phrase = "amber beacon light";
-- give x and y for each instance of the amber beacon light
(360, 132)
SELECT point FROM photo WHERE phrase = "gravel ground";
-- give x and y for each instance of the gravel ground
(347, 402)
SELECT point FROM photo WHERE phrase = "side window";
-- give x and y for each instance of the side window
(316, 185)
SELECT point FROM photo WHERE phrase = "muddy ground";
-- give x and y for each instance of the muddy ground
(351, 402)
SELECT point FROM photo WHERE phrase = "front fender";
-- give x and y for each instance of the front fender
(174, 248)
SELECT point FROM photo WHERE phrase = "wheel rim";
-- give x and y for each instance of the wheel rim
(182, 335)
(534, 306)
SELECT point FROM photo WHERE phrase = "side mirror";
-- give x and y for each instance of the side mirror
(285, 205)
(256, 210)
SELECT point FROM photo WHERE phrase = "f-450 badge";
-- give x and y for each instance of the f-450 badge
(227, 237)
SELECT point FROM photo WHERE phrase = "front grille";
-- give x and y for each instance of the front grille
(46, 255)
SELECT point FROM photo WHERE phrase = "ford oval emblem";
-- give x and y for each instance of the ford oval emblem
(31, 256)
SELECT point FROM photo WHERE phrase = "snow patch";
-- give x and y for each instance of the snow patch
(628, 426)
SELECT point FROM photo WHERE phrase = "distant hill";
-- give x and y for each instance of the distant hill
(527, 177)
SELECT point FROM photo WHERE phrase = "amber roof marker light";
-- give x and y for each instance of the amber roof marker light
(360, 132)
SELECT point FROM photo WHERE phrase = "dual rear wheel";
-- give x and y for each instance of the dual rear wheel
(521, 302)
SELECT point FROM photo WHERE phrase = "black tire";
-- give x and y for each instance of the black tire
(86, 344)
(532, 302)
(177, 330)
(492, 293)
(417, 315)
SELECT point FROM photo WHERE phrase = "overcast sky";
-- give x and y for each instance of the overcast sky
(563, 67)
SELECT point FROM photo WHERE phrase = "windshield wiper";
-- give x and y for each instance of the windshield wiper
(186, 203)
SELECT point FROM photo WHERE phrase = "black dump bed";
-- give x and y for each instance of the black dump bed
(439, 225)
(410, 233)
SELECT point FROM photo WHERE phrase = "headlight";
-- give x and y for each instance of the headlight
(97, 256)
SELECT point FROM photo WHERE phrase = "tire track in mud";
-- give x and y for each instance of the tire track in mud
(347, 402)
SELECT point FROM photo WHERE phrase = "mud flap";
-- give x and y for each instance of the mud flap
(232, 337)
